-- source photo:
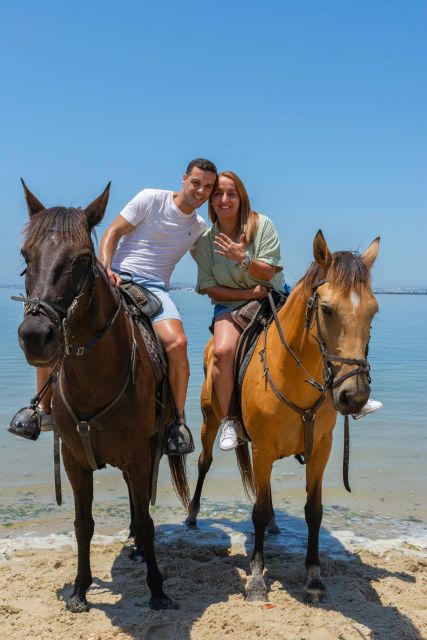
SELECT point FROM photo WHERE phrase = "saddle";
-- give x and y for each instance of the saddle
(251, 317)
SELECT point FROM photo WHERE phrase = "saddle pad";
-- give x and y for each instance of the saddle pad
(154, 348)
(249, 338)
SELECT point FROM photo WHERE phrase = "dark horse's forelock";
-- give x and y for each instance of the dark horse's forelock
(347, 272)
(69, 225)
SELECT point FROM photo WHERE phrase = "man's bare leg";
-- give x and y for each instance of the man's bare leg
(174, 341)
(172, 336)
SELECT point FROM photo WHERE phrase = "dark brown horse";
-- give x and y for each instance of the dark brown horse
(320, 338)
(104, 400)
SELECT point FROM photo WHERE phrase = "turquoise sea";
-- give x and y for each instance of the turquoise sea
(387, 506)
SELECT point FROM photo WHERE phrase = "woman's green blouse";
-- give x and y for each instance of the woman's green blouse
(216, 270)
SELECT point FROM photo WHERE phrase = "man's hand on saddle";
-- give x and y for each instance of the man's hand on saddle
(113, 277)
(226, 247)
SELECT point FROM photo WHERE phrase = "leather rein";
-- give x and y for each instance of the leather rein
(61, 317)
(329, 383)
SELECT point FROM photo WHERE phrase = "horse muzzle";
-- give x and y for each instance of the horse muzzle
(351, 395)
(40, 340)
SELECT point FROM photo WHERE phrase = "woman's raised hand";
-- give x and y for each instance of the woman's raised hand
(226, 247)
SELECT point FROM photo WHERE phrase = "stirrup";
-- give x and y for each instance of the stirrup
(26, 423)
(172, 439)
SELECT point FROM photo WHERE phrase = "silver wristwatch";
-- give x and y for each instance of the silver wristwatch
(245, 263)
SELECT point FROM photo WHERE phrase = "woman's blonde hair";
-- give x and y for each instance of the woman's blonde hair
(248, 218)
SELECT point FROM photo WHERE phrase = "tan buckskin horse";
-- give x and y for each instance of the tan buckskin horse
(308, 366)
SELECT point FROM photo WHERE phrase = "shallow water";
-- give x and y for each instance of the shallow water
(388, 450)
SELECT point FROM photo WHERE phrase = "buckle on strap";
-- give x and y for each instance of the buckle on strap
(83, 427)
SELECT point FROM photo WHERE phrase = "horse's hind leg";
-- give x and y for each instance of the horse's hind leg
(137, 553)
(81, 480)
(208, 433)
(257, 589)
(144, 535)
(314, 586)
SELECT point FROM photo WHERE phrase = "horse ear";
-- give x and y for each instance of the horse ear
(321, 252)
(95, 210)
(34, 205)
(371, 253)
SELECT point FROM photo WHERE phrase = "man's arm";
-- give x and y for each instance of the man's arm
(230, 294)
(120, 227)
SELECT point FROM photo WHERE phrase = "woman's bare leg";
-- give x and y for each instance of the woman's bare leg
(226, 338)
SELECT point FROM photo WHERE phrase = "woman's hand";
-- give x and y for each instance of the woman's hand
(259, 292)
(226, 247)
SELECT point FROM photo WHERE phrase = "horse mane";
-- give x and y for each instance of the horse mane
(69, 224)
(346, 272)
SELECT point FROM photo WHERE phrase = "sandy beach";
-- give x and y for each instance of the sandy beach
(370, 595)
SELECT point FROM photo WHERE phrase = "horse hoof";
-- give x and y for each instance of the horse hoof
(256, 595)
(314, 597)
(274, 530)
(159, 603)
(77, 605)
(191, 523)
(315, 590)
(137, 555)
(256, 591)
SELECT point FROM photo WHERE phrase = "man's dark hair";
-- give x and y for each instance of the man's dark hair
(203, 164)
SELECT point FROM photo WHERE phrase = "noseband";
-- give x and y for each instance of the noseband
(61, 317)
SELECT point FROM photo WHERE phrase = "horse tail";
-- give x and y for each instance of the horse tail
(178, 471)
(245, 467)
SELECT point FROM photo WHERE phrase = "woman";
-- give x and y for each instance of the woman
(238, 260)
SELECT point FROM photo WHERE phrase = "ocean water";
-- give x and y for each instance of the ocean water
(387, 506)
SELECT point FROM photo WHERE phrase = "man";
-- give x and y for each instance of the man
(147, 239)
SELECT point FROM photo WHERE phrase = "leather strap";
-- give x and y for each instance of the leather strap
(57, 468)
(346, 454)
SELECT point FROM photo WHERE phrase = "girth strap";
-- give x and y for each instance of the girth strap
(57, 468)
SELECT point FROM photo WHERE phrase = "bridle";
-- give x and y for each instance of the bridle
(61, 318)
(329, 381)
(362, 364)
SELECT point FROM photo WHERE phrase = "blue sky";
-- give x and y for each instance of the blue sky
(320, 106)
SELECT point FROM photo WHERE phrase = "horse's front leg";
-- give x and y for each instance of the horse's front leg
(261, 515)
(273, 528)
(137, 553)
(81, 480)
(139, 482)
(208, 433)
(314, 587)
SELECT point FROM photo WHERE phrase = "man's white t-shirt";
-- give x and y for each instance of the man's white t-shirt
(162, 235)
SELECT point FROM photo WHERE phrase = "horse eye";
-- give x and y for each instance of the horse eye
(23, 272)
(327, 311)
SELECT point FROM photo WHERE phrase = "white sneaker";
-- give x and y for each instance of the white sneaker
(369, 407)
(228, 439)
